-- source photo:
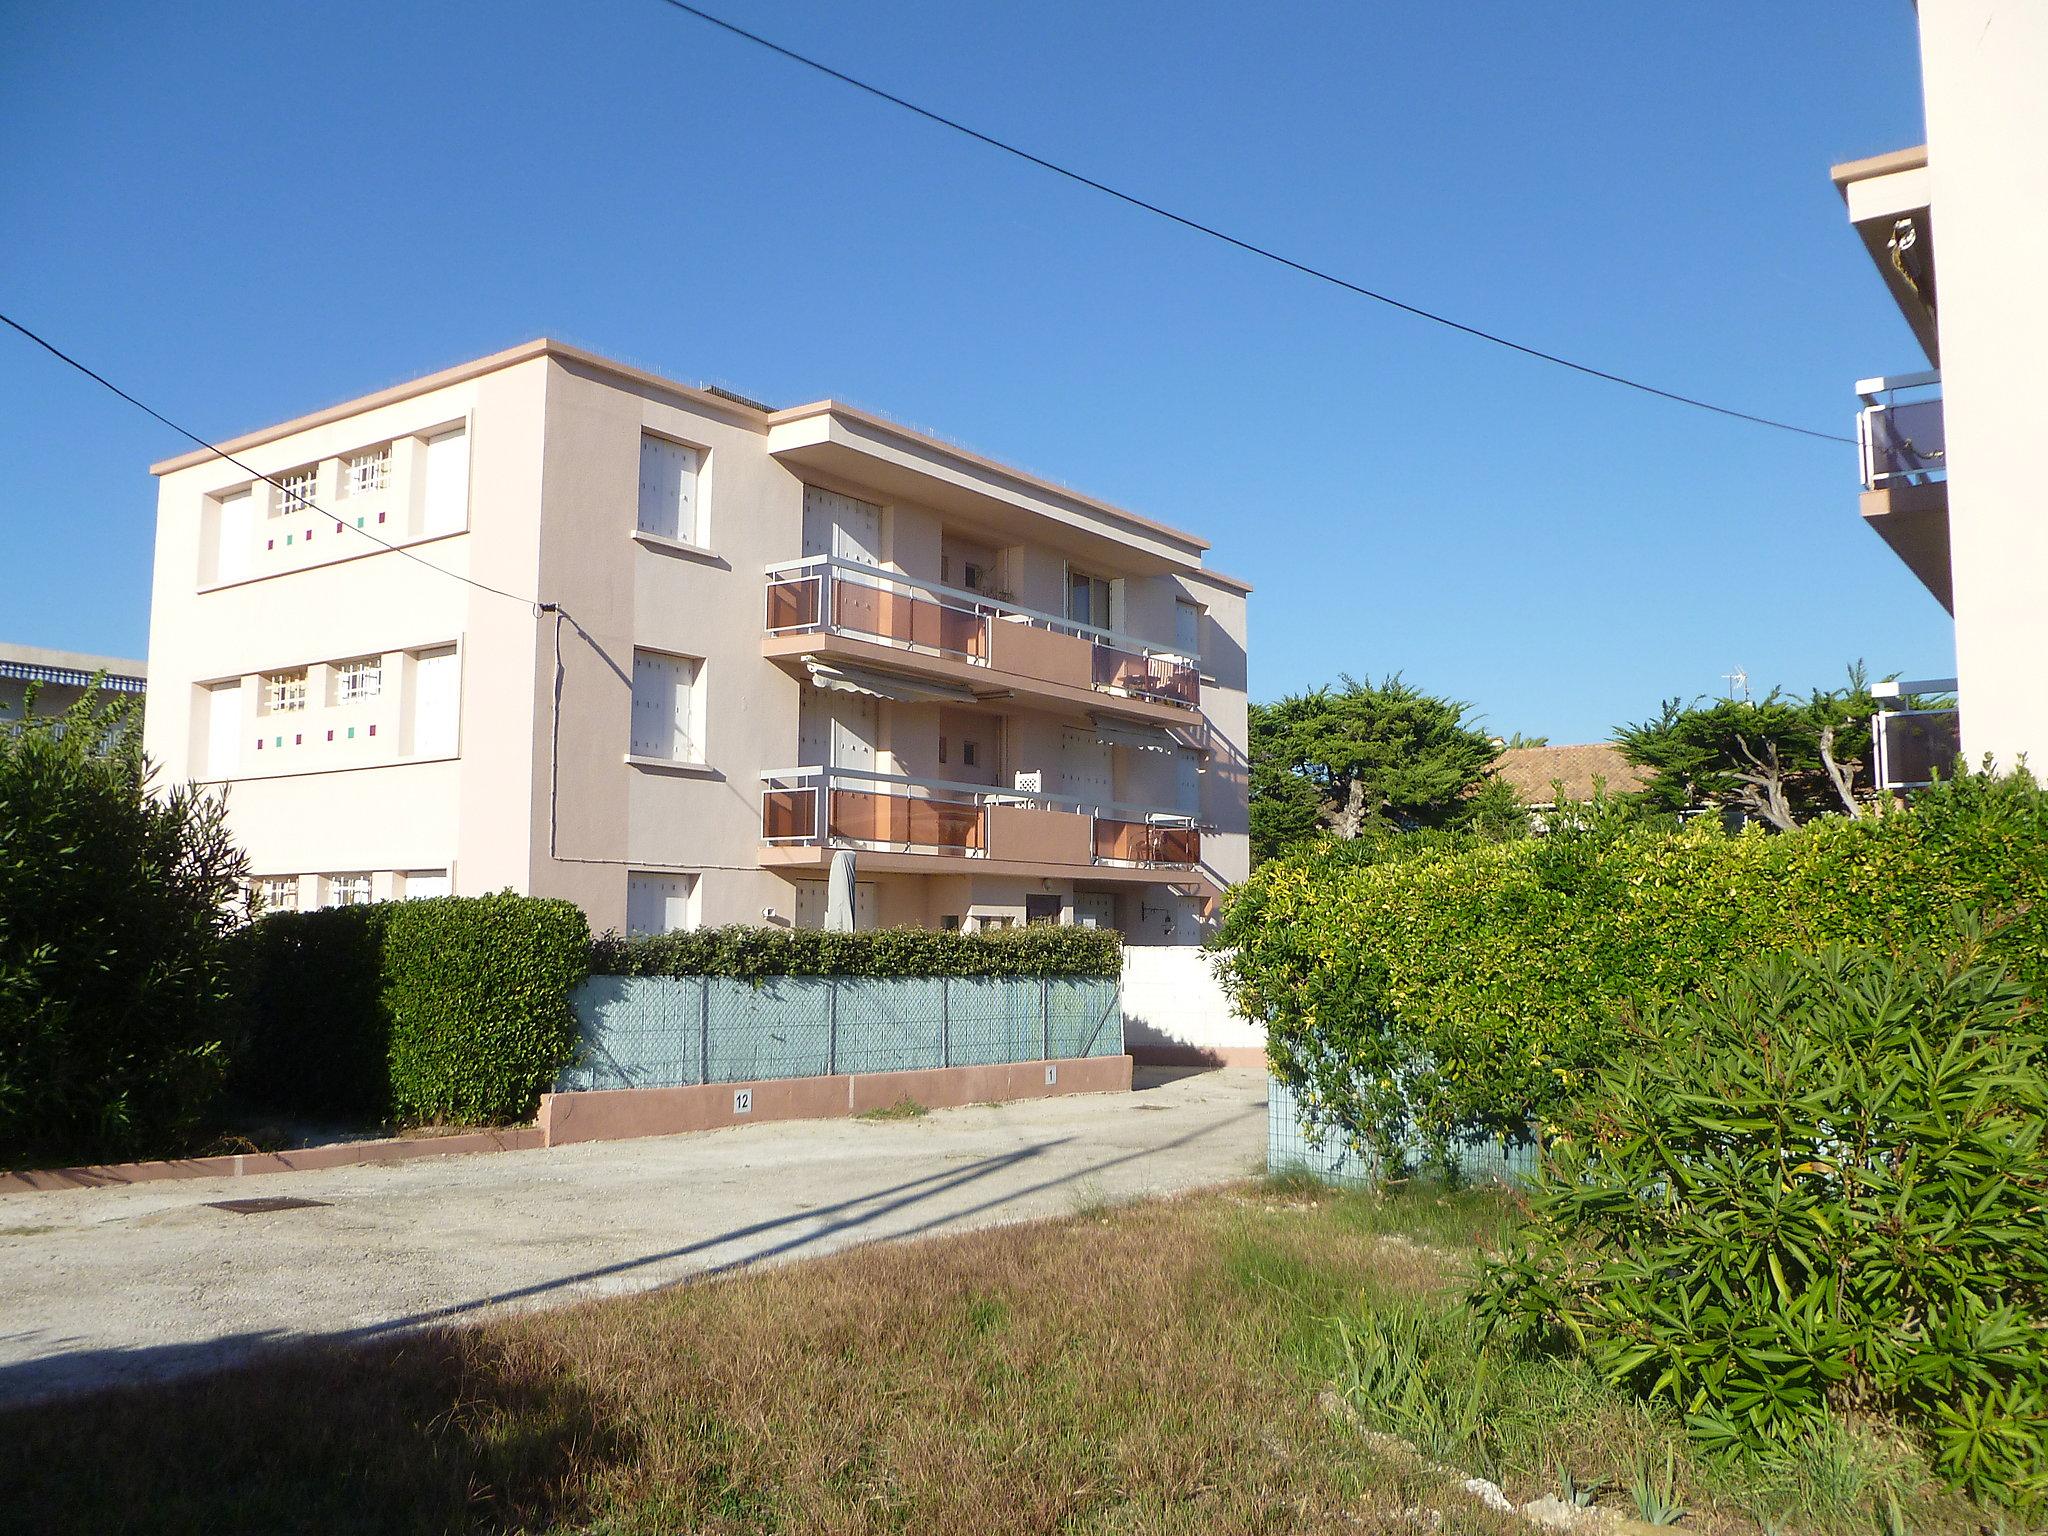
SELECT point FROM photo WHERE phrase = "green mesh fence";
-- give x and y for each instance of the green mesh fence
(671, 1031)
(1295, 1145)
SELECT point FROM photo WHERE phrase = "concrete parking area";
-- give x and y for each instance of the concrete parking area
(137, 1283)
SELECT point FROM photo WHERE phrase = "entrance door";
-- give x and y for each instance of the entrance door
(840, 525)
(1086, 767)
(1095, 909)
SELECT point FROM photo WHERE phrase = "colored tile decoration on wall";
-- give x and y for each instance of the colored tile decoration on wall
(330, 735)
(351, 733)
(380, 517)
(270, 543)
(359, 522)
(279, 741)
(259, 743)
(373, 730)
(298, 741)
(287, 538)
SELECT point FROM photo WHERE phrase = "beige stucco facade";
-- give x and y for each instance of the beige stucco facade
(872, 637)
(1970, 208)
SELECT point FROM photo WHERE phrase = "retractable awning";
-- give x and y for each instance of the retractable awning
(885, 685)
(1136, 734)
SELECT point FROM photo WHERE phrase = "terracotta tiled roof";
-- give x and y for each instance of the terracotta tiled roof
(1534, 771)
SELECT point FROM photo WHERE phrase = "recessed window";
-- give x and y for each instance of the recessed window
(348, 890)
(358, 680)
(660, 903)
(1088, 599)
(969, 751)
(280, 893)
(284, 692)
(367, 472)
(425, 884)
(668, 489)
(667, 707)
(295, 488)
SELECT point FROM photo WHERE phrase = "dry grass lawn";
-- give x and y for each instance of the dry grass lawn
(1152, 1368)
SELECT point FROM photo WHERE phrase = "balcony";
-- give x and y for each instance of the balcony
(828, 605)
(1917, 733)
(912, 824)
(1902, 448)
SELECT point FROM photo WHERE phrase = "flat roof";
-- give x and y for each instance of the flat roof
(723, 401)
(45, 659)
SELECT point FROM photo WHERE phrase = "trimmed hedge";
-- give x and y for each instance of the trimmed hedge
(754, 952)
(454, 1009)
(1460, 994)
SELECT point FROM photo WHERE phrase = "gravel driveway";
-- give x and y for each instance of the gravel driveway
(109, 1285)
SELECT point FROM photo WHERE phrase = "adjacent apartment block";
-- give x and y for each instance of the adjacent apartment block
(60, 677)
(1951, 453)
(702, 646)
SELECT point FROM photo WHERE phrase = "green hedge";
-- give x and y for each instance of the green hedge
(454, 1009)
(751, 952)
(1471, 992)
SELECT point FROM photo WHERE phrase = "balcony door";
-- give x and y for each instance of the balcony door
(842, 526)
(1087, 770)
(836, 730)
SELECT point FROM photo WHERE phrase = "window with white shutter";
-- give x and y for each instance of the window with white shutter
(436, 703)
(667, 707)
(668, 489)
(223, 730)
(444, 503)
(660, 903)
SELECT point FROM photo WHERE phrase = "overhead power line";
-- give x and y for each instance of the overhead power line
(1251, 247)
(220, 452)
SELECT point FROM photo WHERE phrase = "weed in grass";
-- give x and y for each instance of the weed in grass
(1581, 1495)
(903, 1109)
(1656, 1498)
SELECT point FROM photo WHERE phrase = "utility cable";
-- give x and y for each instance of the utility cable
(535, 604)
(1252, 248)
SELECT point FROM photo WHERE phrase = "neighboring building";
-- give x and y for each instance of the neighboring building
(1951, 453)
(60, 677)
(1543, 778)
(780, 633)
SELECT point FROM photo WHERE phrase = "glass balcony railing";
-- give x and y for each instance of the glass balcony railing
(825, 594)
(857, 808)
(1899, 433)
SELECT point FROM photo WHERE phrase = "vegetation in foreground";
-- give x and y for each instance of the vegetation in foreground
(1181, 1366)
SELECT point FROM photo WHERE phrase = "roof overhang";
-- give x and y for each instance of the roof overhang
(1890, 199)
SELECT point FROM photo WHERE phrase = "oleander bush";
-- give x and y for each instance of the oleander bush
(1476, 992)
(454, 1009)
(758, 952)
(116, 903)
(1816, 1185)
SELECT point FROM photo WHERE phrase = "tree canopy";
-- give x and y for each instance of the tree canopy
(1359, 756)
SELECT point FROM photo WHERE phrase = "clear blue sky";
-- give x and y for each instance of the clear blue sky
(243, 212)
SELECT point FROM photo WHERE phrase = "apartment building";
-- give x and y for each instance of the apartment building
(60, 678)
(698, 647)
(1951, 453)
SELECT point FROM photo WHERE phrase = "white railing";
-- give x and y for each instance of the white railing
(957, 622)
(1900, 434)
(831, 807)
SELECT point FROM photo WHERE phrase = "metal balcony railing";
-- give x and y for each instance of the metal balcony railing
(827, 594)
(891, 813)
(1900, 439)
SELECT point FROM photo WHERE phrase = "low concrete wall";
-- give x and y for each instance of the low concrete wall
(341, 1154)
(1176, 1012)
(616, 1114)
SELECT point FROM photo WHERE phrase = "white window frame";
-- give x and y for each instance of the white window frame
(280, 893)
(349, 890)
(358, 679)
(284, 691)
(295, 491)
(686, 733)
(366, 473)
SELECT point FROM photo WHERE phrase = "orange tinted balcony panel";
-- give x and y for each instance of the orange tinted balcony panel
(1148, 677)
(1137, 842)
(906, 620)
(789, 813)
(859, 816)
(1044, 654)
(793, 604)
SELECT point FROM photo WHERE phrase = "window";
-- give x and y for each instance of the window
(1088, 599)
(422, 884)
(367, 472)
(284, 692)
(295, 488)
(660, 903)
(357, 680)
(279, 893)
(668, 489)
(444, 504)
(666, 704)
(1187, 628)
(436, 703)
(969, 751)
(974, 576)
(223, 730)
(348, 890)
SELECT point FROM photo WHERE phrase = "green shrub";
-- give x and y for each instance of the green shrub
(478, 993)
(739, 950)
(1815, 1186)
(453, 1009)
(315, 1036)
(1466, 993)
(116, 901)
